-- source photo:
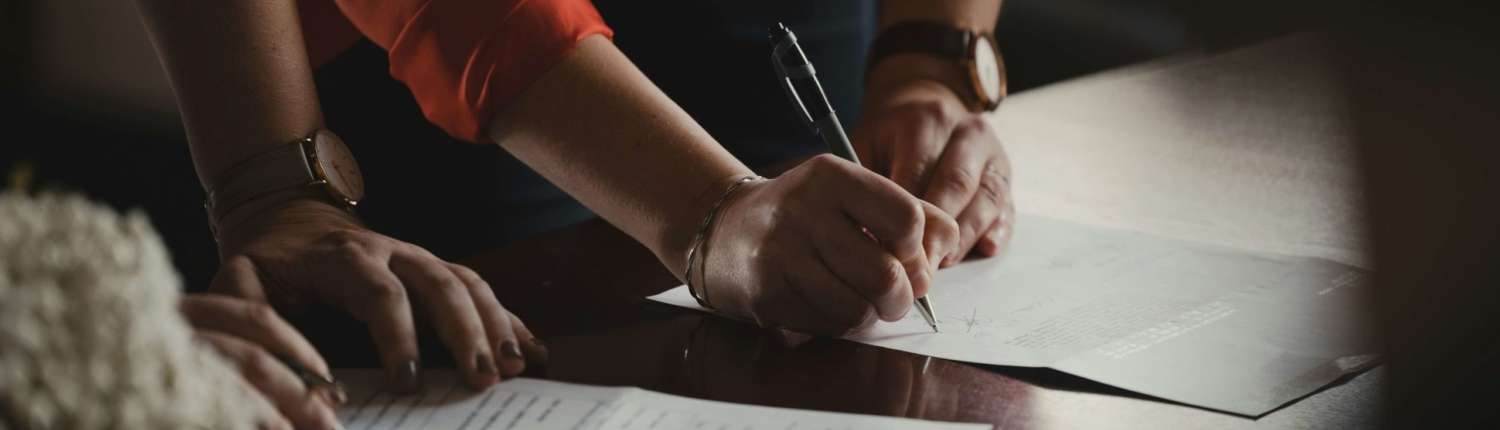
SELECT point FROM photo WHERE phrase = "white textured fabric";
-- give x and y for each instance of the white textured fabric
(90, 335)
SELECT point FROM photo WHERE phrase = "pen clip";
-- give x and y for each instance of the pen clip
(785, 78)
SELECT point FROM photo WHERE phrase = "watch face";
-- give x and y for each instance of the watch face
(338, 167)
(987, 71)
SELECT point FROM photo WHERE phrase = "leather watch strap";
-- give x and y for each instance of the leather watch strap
(972, 51)
(920, 37)
(280, 169)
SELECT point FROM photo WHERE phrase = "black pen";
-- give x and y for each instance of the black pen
(801, 84)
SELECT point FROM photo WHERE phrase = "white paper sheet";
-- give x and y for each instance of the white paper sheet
(524, 403)
(1203, 325)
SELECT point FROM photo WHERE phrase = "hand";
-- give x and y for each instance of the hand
(251, 336)
(825, 248)
(301, 250)
(921, 135)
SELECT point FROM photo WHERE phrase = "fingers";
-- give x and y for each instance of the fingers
(275, 381)
(449, 303)
(253, 322)
(375, 295)
(499, 327)
(892, 215)
(531, 347)
(970, 182)
(983, 211)
(956, 177)
(997, 240)
(842, 307)
(942, 238)
(876, 276)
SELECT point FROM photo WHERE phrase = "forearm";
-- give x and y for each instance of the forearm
(597, 128)
(241, 75)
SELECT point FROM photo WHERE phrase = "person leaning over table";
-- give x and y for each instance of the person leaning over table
(825, 247)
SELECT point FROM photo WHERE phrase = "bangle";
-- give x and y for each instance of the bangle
(701, 239)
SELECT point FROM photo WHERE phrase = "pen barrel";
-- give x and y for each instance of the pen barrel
(832, 132)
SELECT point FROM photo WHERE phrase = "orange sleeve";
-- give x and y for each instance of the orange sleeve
(464, 58)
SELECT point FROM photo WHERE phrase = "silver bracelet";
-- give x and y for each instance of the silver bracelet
(701, 238)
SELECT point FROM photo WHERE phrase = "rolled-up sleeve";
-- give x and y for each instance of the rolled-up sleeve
(463, 59)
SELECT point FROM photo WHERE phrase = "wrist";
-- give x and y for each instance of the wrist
(677, 241)
(240, 223)
(898, 71)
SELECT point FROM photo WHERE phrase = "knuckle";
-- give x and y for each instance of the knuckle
(824, 167)
(991, 186)
(824, 160)
(956, 180)
(466, 274)
(910, 214)
(386, 293)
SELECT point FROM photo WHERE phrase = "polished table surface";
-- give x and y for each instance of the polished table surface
(1242, 148)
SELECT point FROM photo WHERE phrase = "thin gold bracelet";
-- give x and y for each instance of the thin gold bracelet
(701, 238)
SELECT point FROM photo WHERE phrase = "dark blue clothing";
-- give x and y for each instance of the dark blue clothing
(711, 57)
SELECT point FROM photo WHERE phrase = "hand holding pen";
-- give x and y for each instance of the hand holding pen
(826, 248)
(799, 79)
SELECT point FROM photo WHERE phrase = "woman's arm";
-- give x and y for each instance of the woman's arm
(241, 76)
(244, 87)
(794, 251)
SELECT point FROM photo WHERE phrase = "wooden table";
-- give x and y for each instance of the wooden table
(1247, 144)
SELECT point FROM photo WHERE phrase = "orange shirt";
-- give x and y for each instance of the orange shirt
(461, 59)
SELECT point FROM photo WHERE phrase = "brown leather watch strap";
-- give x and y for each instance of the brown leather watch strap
(920, 37)
(957, 45)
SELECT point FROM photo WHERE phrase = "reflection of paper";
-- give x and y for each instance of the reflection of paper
(525, 403)
(1213, 327)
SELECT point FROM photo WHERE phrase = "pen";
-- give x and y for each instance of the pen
(800, 81)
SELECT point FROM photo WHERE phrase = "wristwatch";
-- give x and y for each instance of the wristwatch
(319, 164)
(974, 51)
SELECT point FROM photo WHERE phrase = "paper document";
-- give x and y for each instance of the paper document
(524, 403)
(1208, 326)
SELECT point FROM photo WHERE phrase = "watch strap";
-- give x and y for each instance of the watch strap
(922, 37)
(944, 41)
(280, 169)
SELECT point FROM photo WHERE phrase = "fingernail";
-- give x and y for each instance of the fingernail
(541, 348)
(406, 377)
(510, 350)
(484, 364)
